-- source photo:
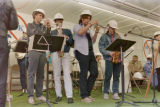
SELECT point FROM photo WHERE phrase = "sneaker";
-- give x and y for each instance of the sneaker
(44, 88)
(9, 97)
(41, 98)
(70, 100)
(87, 100)
(24, 90)
(58, 99)
(106, 96)
(115, 96)
(31, 100)
(93, 99)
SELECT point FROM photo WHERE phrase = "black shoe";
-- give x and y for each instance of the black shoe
(58, 99)
(70, 100)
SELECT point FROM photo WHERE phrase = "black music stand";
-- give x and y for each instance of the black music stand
(47, 44)
(121, 45)
(21, 46)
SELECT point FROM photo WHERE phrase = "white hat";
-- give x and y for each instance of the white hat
(38, 10)
(88, 12)
(138, 75)
(157, 33)
(98, 54)
(113, 24)
(149, 56)
(58, 16)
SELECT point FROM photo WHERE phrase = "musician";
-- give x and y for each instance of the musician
(157, 64)
(100, 71)
(112, 60)
(22, 62)
(37, 59)
(148, 69)
(8, 21)
(62, 59)
(83, 48)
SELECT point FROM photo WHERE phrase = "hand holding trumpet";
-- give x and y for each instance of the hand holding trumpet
(94, 22)
(65, 36)
(97, 27)
(47, 23)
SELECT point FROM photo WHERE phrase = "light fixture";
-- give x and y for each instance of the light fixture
(117, 14)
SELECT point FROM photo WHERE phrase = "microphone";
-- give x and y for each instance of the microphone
(131, 30)
(127, 33)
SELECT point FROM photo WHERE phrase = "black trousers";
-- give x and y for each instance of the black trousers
(158, 76)
(87, 63)
(4, 54)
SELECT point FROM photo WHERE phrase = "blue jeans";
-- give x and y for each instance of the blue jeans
(23, 68)
(111, 68)
(4, 54)
(87, 63)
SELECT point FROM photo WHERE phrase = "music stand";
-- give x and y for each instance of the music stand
(121, 45)
(21, 46)
(46, 44)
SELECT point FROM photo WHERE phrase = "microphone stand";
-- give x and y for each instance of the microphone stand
(154, 100)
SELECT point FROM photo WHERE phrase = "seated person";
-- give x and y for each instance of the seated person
(148, 69)
(100, 71)
(135, 66)
(136, 70)
(49, 59)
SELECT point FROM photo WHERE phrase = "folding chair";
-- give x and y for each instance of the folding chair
(134, 80)
(14, 76)
(75, 79)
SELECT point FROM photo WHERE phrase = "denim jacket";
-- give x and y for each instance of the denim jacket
(104, 42)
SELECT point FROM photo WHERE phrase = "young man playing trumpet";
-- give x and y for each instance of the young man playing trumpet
(157, 64)
(37, 59)
(84, 53)
(62, 59)
(112, 65)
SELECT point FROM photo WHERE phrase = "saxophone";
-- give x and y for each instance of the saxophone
(117, 55)
(59, 28)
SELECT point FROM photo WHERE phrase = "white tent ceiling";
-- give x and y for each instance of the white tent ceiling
(128, 13)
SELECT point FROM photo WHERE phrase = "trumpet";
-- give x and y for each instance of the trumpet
(104, 28)
(48, 22)
(101, 26)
